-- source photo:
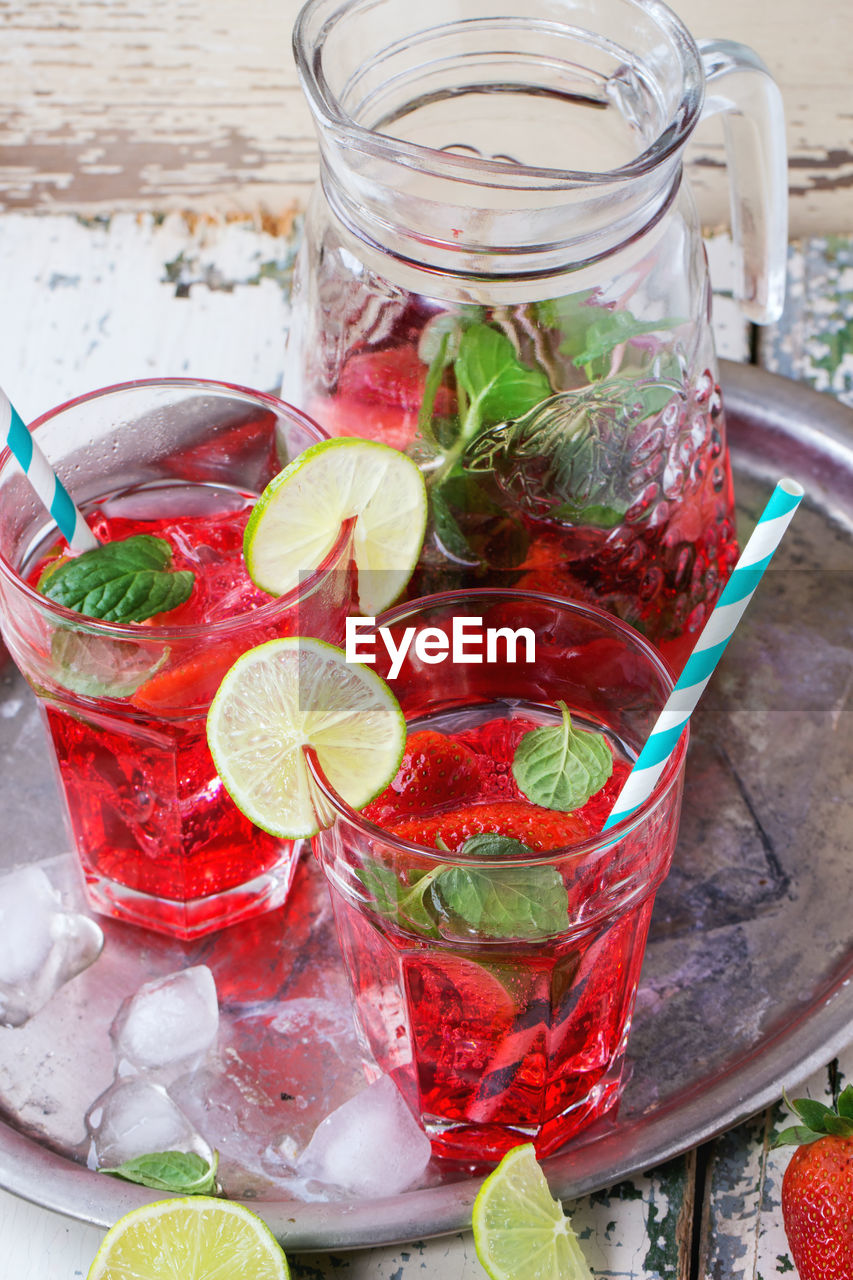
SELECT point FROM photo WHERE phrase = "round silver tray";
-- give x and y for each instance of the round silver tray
(746, 986)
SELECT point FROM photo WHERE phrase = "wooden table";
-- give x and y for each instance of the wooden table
(88, 303)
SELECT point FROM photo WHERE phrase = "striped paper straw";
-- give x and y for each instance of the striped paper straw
(716, 634)
(44, 480)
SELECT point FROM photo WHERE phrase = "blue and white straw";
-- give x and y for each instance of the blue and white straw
(44, 480)
(717, 632)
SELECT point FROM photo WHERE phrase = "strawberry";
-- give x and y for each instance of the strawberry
(393, 377)
(817, 1189)
(598, 807)
(495, 742)
(379, 397)
(435, 770)
(540, 829)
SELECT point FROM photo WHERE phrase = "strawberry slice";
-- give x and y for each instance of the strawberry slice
(540, 829)
(187, 685)
(435, 770)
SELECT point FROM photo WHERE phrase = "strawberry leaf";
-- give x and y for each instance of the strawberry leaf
(125, 581)
(845, 1102)
(560, 767)
(183, 1172)
(798, 1135)
(813, 1113)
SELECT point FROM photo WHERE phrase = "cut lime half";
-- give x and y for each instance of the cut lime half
(197, 1238)
(297, 518)
(520, 1230)
(290, 693)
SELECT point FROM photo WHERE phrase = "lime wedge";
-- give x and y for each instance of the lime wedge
(289, 693)
(297, 518)
(520, 1230)
(193, 1239)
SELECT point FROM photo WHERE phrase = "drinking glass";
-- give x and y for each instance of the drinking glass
(159, 841)
(497, 991)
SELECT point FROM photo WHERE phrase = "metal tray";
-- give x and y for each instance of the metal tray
(746, 986)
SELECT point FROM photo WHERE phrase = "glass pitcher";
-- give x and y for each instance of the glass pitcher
(502, 273)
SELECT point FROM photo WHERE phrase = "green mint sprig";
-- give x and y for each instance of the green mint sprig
(560, 767)
(492, 385)
(580, 445)
(592, 332)
(182, 1172)
(498, 903)
(124, 581)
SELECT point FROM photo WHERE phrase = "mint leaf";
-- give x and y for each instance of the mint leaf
(591, 332)
(609, 330)
(179, 1171)
(449, 535)
(571, 458)
(497, 384)
(489, 844)
(560, 767)
(103, 666)
(441, 335)
(125, 581)
(499, 902)
(505, 902)
(403, 902)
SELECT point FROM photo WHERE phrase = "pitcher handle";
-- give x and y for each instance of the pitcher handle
(739, 85)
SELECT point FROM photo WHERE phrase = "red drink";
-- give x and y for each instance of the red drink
(160, 842)
(620, 497)
(500, 1045)
(495, 982)
(144, 800)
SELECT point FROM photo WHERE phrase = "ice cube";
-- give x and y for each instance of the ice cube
(371, 1146)
(170, 1023)
(134, 1117)
(42, 945)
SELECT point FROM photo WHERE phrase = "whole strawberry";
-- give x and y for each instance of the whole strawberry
(817, 1189)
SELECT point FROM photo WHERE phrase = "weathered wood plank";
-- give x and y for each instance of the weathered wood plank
(813, 341)
(109, 104)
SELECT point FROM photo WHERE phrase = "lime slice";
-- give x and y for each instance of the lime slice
(189, 1239)
(298, 516)
(520, 1230)
(289, 693)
